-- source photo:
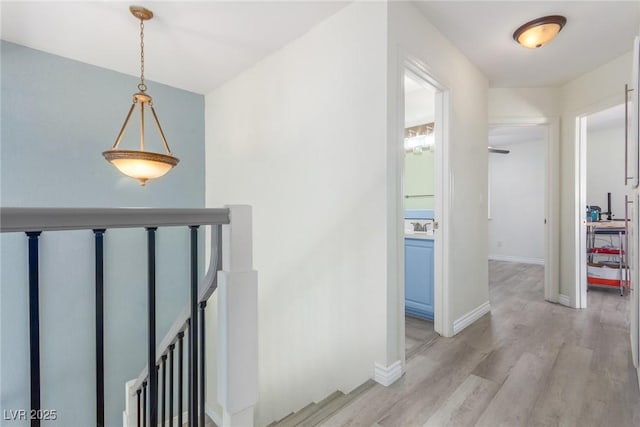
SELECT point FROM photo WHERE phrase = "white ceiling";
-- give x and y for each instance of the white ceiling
(199, 45)
(195, 46)
(596, 32)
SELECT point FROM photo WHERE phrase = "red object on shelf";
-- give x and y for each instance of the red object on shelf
(603, 282)
(606, 251)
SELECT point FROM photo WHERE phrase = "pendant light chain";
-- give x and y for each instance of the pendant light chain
(142, 86)
(141, 164)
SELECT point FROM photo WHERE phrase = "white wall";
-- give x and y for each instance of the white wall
(605, 152)
(516, 189)
(591, 92)
(301, 137)
(520, 103)
(312, 138)
(411, 34)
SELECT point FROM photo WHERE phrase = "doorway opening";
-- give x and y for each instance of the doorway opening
(419, 211)
(422, 251)
(517, 193)
(539, 137)
(517, 168)
(603, 242)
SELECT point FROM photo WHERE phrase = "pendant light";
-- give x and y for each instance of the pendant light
(537, 33)
(140, 164)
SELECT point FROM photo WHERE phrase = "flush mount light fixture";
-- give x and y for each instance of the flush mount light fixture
(140, 164)
(537, 33)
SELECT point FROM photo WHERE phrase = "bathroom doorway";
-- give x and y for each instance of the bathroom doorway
(419, 191)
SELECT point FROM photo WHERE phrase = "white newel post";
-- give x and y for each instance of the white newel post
(130, 413)
(237, 322)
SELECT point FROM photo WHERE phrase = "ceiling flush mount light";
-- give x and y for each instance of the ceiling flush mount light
(537, 33)
(139, 164)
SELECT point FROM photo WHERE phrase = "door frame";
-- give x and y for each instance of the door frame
(441, 315)
(580, 184)
(551, 199)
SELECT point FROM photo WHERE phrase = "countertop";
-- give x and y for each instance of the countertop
(421, 236)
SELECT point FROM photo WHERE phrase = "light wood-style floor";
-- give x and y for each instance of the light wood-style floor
(418, 334)
(528, 363)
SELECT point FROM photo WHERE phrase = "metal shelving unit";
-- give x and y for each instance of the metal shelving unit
(607, 264)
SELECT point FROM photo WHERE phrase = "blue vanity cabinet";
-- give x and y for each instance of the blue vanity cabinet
(418, 277)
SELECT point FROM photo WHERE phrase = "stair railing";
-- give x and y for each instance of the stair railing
(166, 353)
(230, 270)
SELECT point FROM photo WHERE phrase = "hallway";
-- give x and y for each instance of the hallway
(529, 362)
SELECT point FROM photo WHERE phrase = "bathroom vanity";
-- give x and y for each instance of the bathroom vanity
(419, 263)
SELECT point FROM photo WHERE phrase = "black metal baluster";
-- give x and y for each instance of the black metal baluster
(180, 382)
(171, 347)
(34, 324)
(203, 305)
(153, 375)
(158, 401)
(164, 389)
(138, 395)
(189, 377)
(193, 330)
(99, 254)
(144, 403)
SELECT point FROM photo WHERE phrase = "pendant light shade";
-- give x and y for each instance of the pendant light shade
(537, 33)
(140, 164)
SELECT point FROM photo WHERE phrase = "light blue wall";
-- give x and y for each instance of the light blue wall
(57, 117)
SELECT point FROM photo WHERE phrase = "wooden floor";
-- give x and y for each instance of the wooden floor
(528, 363)
(418, 334)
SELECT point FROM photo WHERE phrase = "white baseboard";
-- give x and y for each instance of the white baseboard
(470, 317)
(387, 375)
(564, 300)
(523, 260)
(215, 417)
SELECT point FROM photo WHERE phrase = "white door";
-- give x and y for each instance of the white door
(634, 208)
